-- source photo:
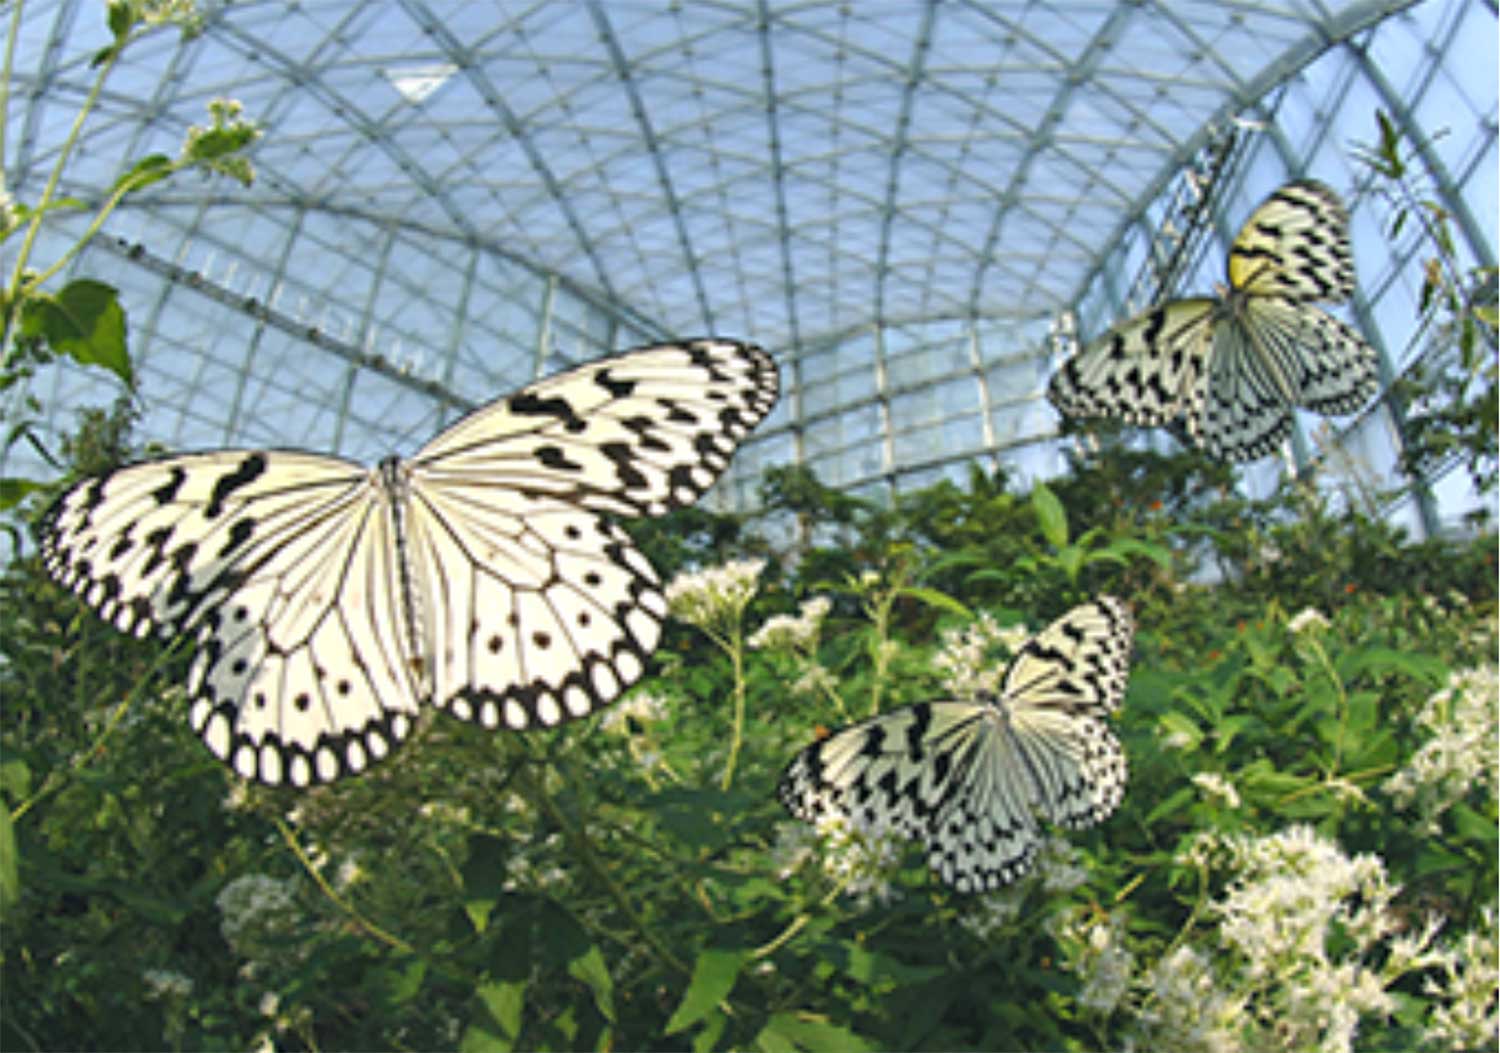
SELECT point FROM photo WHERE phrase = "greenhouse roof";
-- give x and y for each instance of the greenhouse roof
(912, 205)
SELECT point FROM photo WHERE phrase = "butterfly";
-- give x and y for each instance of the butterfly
(970, 778)
(1234, 367)
(329, 601)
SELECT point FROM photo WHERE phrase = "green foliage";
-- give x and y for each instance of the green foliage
(629, 882)
(1452, 396)
(84, 320)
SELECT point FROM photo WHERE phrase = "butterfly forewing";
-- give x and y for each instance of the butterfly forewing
(969, 778)
(1145, 371)
(1295, 246)
(635, 434)
(276, 563)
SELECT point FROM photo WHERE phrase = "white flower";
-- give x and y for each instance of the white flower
(641, 706)
(1462, 751)
(1096, 953)
(270, 1002)
(714, 599)
(1468, 1015)
(793, 634)
(1307, 618)
(1057, 866)
(349, 872)
(1186, 1010)
(861, 859)
(166, 985)
(990, 912)
(815, 680)
(968, 659)
(254, 906)
(1215, 786)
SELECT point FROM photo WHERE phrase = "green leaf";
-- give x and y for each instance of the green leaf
(13, 491)
(589, 967)
(936, 598)
(714, 974)
(484, 878)
(1050, 515)
(1174, 802)
(1173, 724)
(788, 1031)
(504, 1001)
(15, 779)
(708, 1036)
(84, 321)
(151, 169)
(10, 871)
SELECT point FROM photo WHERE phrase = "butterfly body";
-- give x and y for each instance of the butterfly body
(972, 778)
(330, 602)
(1234, 367)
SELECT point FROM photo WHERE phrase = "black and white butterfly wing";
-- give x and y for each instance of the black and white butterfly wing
(1062, 685)
(542, 610)
(638, 433)
(1295, 247)
(969, 779)
(282, 567)
(1146, 371)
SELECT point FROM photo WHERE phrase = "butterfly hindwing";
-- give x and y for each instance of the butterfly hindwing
(970, 778)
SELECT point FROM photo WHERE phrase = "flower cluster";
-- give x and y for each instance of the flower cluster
(165, 985)
(795, 635)
(256, 910)
(860, 859)
(1186, 1010)
(1217, 788)
(640, 706)
(1468, 1015)
(715, 599)
(1462, 752)
(967, 659)
(1309, 618)
(1095, 948)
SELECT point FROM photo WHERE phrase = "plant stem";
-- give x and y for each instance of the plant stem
(733, 645)
(5, 71)
(365, 923)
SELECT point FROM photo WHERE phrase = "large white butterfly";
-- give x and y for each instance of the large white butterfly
(970, 778)
(330, 601)
(1235, 367)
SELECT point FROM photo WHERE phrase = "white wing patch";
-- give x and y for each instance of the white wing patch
(969, 779)
(330, 602)
(1234, 369)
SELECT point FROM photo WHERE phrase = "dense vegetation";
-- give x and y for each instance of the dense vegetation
(1312, 747)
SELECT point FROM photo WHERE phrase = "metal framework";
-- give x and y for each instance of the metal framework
(898, 200)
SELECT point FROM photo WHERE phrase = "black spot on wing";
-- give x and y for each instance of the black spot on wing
(529, 404)
(553, 457)
(614, 385)
(249, 470)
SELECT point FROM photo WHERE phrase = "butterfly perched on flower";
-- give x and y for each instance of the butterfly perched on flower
(1233, 368)
(330, 601)
(971, 778)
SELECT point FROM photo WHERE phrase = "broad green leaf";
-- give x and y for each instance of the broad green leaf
(484, 878)
(708, 1035)
(10, 871)
(1376, 660)
(83, 320)
(1050, 515)
(805, 1032)
(504, 1001)
(589, 967)
(937, 598)
(15, 779)
(714, 974)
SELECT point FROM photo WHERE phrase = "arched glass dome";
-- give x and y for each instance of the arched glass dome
(907, 203)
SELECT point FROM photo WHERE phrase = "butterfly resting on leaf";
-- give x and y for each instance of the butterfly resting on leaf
(1234, 368)
(971, 778)
(329, 601)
